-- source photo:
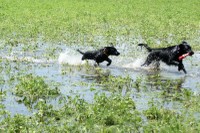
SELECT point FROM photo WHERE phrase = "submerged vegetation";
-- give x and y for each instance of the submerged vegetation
(31, 88)
(114, 113)
(112, 110)
(39, 95)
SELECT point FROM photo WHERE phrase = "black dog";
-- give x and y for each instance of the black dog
(172, 55)
(100, 55)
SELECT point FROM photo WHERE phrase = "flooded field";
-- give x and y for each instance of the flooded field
(62, 68)
(45, 87)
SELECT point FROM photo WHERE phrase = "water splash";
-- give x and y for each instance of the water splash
(71, 57)
(136, 64)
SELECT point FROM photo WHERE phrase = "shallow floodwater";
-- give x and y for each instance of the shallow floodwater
(63, 67)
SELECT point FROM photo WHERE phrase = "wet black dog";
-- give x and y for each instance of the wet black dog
(172, 55)
(100, 55)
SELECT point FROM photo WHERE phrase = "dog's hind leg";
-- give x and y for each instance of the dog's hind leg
(149, 60)
(157, 64)
(83, 58)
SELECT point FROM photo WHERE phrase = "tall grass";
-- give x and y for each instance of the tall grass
(59, 20)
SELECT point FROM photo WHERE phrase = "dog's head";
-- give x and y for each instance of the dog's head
(111, 51)
(185, 48)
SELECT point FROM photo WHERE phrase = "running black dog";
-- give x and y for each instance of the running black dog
(172, 55)
(100, 55)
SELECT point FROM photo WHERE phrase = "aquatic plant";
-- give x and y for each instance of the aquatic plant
(32, 88)
(164, 120)
(115, 83)
(114, 113)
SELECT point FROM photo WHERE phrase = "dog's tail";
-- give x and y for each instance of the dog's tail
(146, 46)
(80, 51)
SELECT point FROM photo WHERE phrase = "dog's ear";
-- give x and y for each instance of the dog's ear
(111, 45)
(176, 49)
(184, 43)
(105, 50)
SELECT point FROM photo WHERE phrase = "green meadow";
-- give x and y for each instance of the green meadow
(49, 97)
(22, 21)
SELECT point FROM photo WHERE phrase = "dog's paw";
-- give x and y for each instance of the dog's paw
(108, 64)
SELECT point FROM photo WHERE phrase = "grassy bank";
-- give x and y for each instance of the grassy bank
(22, 21)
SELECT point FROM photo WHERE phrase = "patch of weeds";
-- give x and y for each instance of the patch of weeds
(1, 67)
(45, 113)
(2, 94)
(137, 84)
(118, 104)
(116, 83)
(153, 80)
(31, 88)
(3, 115)
(168, 86)
(84, 68)
(106, 113)
(68, 69)
(173, 90)
(182, 95)
(154, 113)
(192, 104)
(114, 113)
(165, 120)
(19, 123)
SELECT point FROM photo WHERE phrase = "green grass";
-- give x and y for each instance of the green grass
(114, 113)
(31, 88)
(164, 120)
(106, 114)
(72, 20)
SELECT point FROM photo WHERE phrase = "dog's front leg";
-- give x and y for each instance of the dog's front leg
(181, 67)
(109, 61)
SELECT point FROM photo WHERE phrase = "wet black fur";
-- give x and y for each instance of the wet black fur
(100, 55)
(169, 55)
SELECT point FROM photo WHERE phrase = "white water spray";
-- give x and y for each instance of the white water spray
(136, 64)
(70, 57)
